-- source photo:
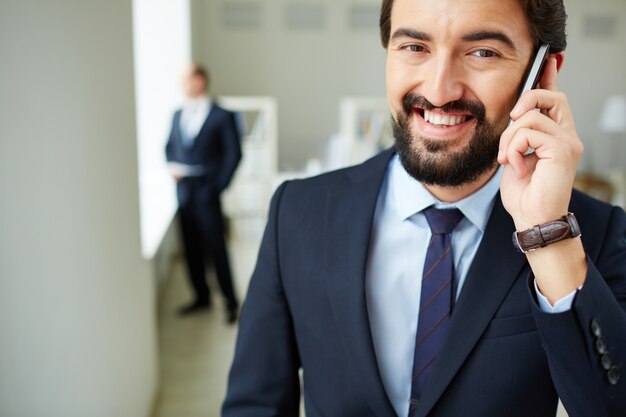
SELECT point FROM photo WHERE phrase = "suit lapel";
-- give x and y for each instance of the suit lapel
(349, 215)
(494, 270)
(177, 130)
(207, 121)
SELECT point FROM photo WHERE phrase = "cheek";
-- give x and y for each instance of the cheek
(391, 79)
(499, 101)
(398, 82)
(394, 96)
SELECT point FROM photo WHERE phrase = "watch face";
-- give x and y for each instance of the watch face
(573, 223)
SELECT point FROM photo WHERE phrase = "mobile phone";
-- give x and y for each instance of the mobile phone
(536, 69)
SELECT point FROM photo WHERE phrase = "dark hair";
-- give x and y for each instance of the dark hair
(201, 71)
(546, 20)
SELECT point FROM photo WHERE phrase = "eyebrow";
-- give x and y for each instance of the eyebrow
(470, 37)
(410, 33)
(489, 35)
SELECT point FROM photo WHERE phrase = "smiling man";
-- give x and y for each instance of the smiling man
(447, 276)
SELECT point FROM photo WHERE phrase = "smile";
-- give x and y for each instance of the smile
(438, 124)
(444, 119)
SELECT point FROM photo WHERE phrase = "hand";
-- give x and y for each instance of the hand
(536, 188)
(174, 171)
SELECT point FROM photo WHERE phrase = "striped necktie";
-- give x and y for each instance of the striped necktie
(436, 297)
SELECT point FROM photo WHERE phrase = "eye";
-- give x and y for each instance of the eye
(414, 48)
(484, 53)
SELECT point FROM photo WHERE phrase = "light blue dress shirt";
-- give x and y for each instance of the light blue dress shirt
(400, 236)
(192, 118)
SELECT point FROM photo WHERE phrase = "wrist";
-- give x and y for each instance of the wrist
(548, 233)
(559, 269)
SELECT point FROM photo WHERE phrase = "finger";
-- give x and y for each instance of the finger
(538, 121)
(516, 153)
(507, 154)
(505, 140)
(532, 120)
(547, 81)
(553, 103)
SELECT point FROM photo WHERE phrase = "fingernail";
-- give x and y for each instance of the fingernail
(516, 109)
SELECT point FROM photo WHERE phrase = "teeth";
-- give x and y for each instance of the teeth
(438, 119)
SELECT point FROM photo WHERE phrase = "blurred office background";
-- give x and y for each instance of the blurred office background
(90, 275)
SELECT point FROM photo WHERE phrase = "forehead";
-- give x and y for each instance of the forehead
(451, 19)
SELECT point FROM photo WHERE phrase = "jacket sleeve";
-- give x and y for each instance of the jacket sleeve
(231, 151)
(264, 379)
(586, 346)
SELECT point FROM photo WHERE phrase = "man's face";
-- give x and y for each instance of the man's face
(193, 84)
(454, 69)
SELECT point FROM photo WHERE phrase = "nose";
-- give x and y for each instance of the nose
(443, 81)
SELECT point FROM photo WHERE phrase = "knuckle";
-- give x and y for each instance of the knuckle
(579, 147)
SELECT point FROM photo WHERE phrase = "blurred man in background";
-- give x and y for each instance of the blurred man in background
(203, 152)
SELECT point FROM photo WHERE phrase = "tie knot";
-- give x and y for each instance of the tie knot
(442, 221)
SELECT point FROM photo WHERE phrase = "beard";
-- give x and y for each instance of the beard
(430, 161)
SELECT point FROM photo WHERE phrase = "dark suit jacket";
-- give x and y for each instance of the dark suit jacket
(217, 149)
(503, 357)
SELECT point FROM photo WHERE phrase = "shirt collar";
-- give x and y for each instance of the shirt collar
(410, 196)
(196, 104)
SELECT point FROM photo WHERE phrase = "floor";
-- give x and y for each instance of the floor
(196, 351)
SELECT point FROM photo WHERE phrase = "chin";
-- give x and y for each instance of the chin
(446, 162)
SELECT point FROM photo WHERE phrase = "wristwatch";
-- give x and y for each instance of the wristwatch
(545, 234)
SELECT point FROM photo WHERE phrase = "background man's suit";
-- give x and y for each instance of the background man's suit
(503, 357)
(216, 151)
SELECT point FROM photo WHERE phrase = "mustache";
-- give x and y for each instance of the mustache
(474, 107)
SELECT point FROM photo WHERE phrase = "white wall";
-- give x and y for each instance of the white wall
(77, 324)
(306, 70)
(594, 69)
(309, 70)
(162, 48)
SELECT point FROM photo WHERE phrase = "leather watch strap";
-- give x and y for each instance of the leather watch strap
(546, 234)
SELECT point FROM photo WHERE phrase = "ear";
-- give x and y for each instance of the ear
(560, 58)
